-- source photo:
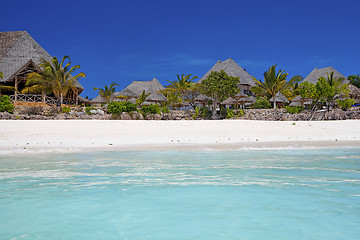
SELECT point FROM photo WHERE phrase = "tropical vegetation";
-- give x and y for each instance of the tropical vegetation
(107, 91)
(219, 86)
(56, 77)
(355, 80)
(5, 104)
(182, 85)
(274, 82)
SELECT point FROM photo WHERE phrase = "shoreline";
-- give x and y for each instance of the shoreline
(52, 136)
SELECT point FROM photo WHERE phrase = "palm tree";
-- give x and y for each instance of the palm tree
(142, 98)
(274, 82)
(107, 92)
(182, 85)
(355, 80)
(56, 76)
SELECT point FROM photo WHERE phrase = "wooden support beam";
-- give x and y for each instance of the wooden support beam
(77, 96)
(15, 89)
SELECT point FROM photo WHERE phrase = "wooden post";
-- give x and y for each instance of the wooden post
(43, 96)
(15, 89)
(77, 96)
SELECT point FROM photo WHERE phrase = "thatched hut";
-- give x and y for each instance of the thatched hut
(314, 76)
(233, 69)
(156, 97)
(20, 55)
(280, 99)
(299, 101)
(202, 100)
(137, 87)
(229, 101)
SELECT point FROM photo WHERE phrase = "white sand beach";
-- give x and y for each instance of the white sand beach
(82, 135)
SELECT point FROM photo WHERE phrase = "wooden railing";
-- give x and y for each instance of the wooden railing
(39, 98)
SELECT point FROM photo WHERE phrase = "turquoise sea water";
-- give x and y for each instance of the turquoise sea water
(287, 194)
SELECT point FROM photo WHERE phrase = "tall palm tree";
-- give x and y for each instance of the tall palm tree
(274, 82)
(355, 80)
(107, 91)
(182, 85)
(56, 76)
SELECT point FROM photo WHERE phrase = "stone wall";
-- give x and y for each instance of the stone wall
(27, 112)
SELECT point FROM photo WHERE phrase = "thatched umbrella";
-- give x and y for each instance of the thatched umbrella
(299, 101)
(156, 98)
(146, 103)
(229, 101)
(280, 98)
(202, 99)
(251, 100)
(98, 100)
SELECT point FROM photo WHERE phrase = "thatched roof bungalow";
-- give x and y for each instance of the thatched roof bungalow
(279, 98)
(314, 76)
(20, 55)
(133, 91)
(137, 87)
(233, 69)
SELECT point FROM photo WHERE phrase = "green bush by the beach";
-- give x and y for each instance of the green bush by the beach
(261, 103)
(66, 110)
(294, 110)
(120, 107)
(229, 113)
(345, 104)
(6, 105)
(151, 109)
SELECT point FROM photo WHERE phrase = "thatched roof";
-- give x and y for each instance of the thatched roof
(294, 104)
(202, 98)
(279, 97)
(228, 101)
(137, 87)
(18, 49)
(84, 100)
(314, 76)
(156, 97)
(232, 69)
(298, 100)
(240, 95)
(99, 99)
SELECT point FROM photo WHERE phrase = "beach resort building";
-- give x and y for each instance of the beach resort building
(314, 76)
(20, 55)
(233, 69)
(133, 91)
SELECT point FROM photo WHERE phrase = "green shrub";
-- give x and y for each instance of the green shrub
(261, 103)
(346, 103)
(240, 113)
(151, 109)
(6, 105)
(66, 110)
(165, 109)
(120, 107)
(229, 113)
(294, 110)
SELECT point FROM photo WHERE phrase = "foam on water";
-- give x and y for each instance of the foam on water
(268, 194)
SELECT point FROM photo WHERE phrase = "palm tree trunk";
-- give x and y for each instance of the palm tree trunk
(274, 102)
(61, 98)
(183, 98)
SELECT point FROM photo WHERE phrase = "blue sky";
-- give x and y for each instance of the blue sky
(122, 41)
